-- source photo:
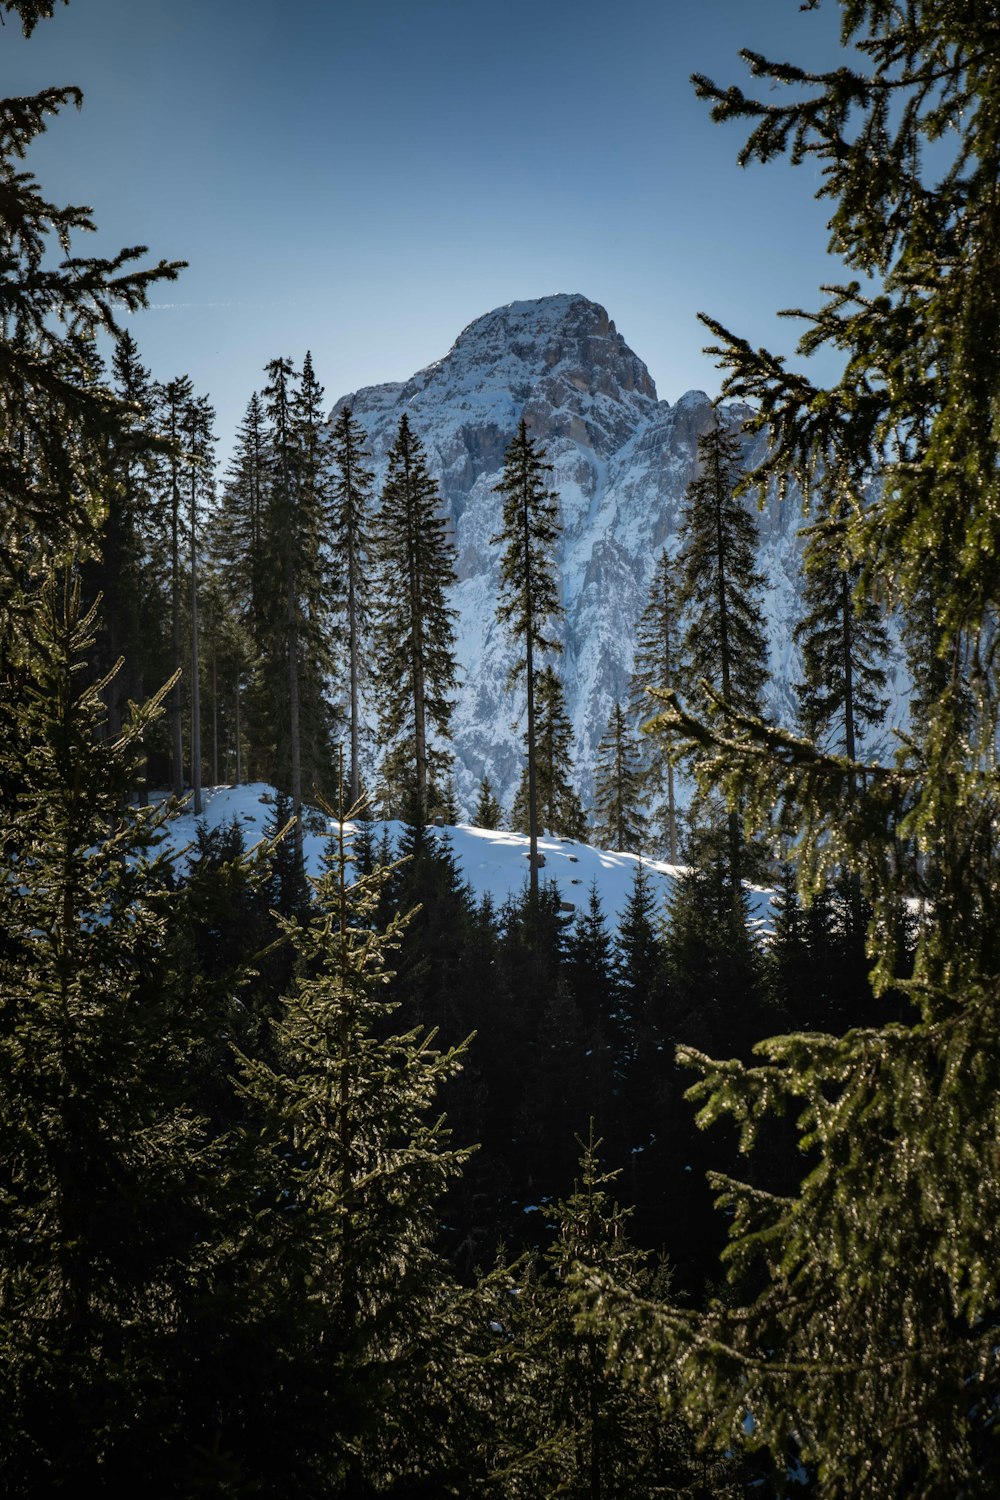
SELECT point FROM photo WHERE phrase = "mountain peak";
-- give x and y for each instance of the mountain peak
(620, 463)
(566, 330)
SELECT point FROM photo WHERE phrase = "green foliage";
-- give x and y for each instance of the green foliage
(720, 593)
(557, 801)
(529, 604)
(56, 421)
(414, 630)
(488, 812)
(105, 1225)
(296, 662)
(657, 665)
(844, 643)
(598, 1434)
(860, 1326)
(529, 601)
(619, 821)
(350, 555)
(350, 1164)
(31, 11)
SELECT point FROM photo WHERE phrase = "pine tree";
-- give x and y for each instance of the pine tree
(295, 664)
(860, 1326)
(619, 821)
(557, 801)
(597, 1436)
(122, 574)
(639, 984)
(350, 553)
(31, 11)
(173, 403)
(239, 525)
(55, 423)
(529, 598)
(237, 547)
(352, 1164)
(844, 643)
(415, 633)
(720, 594)
(196, 431)
(488, 813)
(724, 644)
(657, 665)
(102, 1160)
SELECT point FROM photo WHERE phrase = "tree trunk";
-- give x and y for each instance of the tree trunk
(215, 701)
(294, 729)
(176, 735)
(352, 636)
(239, 747)
(735, 840)
(417, 663)
(529, 652)
(671, 814)
(195, 675)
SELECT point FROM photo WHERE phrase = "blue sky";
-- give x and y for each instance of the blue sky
(363, 179)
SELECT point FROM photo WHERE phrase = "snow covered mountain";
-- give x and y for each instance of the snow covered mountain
(622, 460)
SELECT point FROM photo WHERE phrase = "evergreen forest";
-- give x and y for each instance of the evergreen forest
(352, 1183)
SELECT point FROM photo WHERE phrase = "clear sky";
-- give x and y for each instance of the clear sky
(362, 178)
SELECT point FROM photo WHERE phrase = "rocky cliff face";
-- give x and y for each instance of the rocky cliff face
(622, 460)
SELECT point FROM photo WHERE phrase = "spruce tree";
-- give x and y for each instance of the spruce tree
(639, 984)
(415, 633)
(173, 403)
(351, 1163)
(239, 527)
(123, 573)
(56, 424)
(350, 552)
(488, 812)
(557, 801)
(619, 822)
(720, 593)
(529, 598)
(197, 435)
(844, 645)
(237, 539)
(105, 1208)
(724, 645)
(597, 1436)
(860, 1326)
(295, 664)
(657, 665)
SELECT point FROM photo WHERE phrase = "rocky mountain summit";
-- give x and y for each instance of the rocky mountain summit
(622, 460)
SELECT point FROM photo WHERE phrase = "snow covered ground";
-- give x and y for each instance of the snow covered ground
(492, 862)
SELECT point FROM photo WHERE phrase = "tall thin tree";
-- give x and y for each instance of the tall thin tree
(724, 645)
(529, 597)
(415, 626)
(350, 550)
(619, 822)
(656, 665)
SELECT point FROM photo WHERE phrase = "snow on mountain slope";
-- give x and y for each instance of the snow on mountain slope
(493, 863)
(621, 462)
